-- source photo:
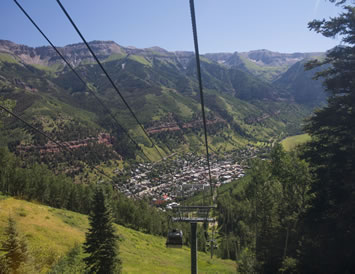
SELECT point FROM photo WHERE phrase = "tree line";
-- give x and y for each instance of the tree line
(36, 182)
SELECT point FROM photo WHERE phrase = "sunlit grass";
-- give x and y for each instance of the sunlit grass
(51, 233)
(291, 142)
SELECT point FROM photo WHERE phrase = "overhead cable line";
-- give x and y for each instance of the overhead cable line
(67, 148)
(79, 77)
(198, 66)
(108, 76)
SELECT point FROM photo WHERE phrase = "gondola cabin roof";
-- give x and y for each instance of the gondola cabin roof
(174, 239)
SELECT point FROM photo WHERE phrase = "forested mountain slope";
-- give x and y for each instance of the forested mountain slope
(301, 85)
(160, 87)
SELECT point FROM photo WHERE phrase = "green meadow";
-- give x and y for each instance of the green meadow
(291, 142)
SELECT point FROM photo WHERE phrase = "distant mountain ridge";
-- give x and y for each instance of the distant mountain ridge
(262, 57)
(270, 58)
(76, 53)
(249, 75)
(263, 63)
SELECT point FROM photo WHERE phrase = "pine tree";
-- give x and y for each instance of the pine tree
(9, 104)
(14, 247)
(330, 234)
(101, 242)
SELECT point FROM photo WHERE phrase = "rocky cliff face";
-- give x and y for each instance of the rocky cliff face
(174, 126)
(102, 138)
(77, 53)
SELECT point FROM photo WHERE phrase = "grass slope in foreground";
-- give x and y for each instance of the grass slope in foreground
(290, 142)
(50, 233)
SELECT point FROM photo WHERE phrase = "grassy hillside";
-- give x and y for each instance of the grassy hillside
(51, 233)
(292, 141)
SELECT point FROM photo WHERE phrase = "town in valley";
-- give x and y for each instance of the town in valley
(182, 176)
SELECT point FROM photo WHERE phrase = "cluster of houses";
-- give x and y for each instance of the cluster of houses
(180, 177)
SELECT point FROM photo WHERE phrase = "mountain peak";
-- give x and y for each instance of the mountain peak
(157, 49)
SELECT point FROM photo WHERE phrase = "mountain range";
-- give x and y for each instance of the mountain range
(255, 96)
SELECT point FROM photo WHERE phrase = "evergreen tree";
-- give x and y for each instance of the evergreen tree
(330, 226)
(9, 104)
(14, 247)
(101, 242)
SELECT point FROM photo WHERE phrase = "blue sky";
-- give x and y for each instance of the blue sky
(223, 25)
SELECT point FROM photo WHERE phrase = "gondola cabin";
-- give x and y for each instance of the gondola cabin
(174, 239)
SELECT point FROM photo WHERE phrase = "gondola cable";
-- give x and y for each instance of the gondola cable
(67, 148)
(108, 76)
(198, 67)
(79, 77)
(174, 237)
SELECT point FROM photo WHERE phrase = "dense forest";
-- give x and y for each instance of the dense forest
(259, 217)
